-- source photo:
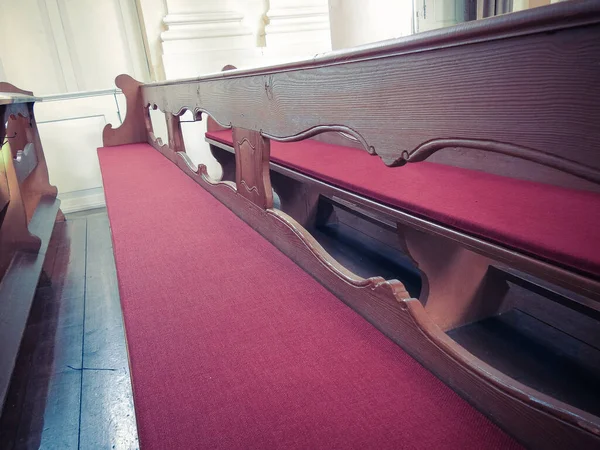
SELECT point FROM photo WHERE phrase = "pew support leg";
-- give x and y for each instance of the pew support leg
(458, 285)
(300, 201)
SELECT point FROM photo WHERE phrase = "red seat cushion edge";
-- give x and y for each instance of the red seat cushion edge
(556, 224)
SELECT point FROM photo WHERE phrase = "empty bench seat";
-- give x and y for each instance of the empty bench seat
(232, 345)
(556, 224)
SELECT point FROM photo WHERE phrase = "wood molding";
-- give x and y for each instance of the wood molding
(133, 128)
(252, 167)
(537, 420)
(420, 92)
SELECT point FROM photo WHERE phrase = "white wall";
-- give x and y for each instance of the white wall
(67, 46)
(57, 46)
(71, 131)
(357, 22)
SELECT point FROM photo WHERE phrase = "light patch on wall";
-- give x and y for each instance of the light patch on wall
(73, 167)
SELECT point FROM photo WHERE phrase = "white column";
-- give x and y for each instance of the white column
(296, 29)
(202, 36)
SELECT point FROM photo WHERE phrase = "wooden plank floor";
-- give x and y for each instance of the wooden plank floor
(71, 387)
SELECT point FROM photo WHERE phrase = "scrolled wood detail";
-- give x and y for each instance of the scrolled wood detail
(567, 417)
(196, 111)
(133, 128)
(395, 287)
(425, 150)
(314, 131)
(252, 167)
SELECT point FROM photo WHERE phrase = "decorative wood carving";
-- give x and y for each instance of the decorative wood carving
(421, 96)
(315, 131)
(252, 167)
(562, 277)
(133, 128)
(424, 151)
(155, 142)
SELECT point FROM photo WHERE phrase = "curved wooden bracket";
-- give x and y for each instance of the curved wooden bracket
(7, 87)
(133, 128)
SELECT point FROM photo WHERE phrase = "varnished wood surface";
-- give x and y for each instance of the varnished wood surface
(539, 355)
(71, 387)
(423, 100)
(25, 187)
(133, 128)
(252, 167)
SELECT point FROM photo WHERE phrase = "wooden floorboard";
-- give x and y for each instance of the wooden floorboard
(55, 380)
(106, 392)
(71, 387)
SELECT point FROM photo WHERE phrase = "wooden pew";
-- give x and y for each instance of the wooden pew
(28, 210)
(511, 99)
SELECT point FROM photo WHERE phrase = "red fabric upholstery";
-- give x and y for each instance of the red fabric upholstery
(234, 346)
(556, 224)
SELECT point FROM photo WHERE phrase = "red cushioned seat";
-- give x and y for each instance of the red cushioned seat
(232, 345)
(557, 224)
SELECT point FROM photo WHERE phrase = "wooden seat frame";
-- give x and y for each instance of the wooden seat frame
(438, 96)
(28, 210)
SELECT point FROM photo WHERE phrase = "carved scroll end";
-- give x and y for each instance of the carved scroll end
(133, 128)
(393, 288)
(11, 88)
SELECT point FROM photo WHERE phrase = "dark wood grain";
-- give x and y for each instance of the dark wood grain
(422, 100)
(298, 200)
(252, 167)
(581, 284)
(538, 355)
